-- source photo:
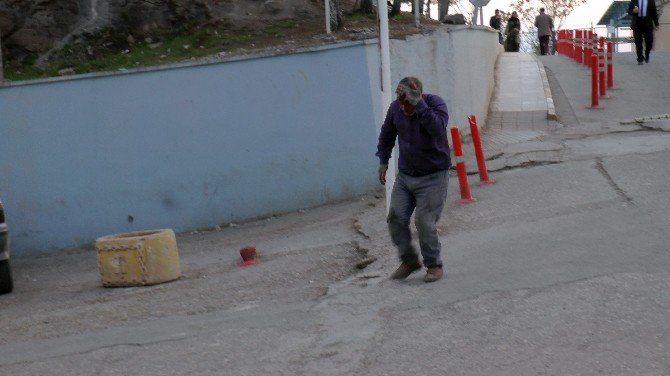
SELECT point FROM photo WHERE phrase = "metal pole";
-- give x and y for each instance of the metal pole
(327, 5)
(385, 60)
(416, 13)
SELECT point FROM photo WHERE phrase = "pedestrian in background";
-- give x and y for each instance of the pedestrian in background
(513, 33)
(644, 19)
(496, 23)
(419, 122)
(545, 28)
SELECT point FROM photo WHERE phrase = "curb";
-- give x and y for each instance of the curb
(551, 109)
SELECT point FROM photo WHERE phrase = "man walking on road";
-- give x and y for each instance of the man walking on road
(644, 19)
(545, 28)
(419, 122)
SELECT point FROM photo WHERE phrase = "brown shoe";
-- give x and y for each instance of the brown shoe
(433, 274)
(405, 269)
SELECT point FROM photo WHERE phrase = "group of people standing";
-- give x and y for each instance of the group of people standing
(644, 21)
(512, 40)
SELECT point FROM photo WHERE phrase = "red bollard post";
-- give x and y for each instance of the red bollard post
(610, 78)
(479, 153)
(587, 49)
(594, 81)
(460, 168)
(601, 72)
(593, 45)
(579, 53)
(587, 53)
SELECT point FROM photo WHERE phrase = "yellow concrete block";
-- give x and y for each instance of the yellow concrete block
(138, 258)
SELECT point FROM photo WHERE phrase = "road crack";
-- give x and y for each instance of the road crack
(600, 166)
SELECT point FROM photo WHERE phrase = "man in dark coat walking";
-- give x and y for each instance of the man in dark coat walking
(644, 19)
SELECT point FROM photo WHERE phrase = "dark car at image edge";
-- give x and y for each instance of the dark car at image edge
(5, 273)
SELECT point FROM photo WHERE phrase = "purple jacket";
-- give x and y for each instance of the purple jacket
(422, 137)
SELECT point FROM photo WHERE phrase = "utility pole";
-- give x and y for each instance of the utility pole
(327, 5)
(416, 13)
(385, 80)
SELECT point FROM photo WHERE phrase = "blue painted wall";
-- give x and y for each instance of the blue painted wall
(186, 147)
(199, 145)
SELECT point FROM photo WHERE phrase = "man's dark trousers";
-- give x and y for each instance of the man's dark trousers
(427, 195)
(640, 31)
(544, 44)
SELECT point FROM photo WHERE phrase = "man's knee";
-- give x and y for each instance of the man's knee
(425, 223)
(395, 220)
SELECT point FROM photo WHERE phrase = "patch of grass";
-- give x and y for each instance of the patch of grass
(404, 17)
(361, 17)
(27, 73)
(279, 27)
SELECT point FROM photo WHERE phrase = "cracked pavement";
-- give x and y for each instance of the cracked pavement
(562, 267)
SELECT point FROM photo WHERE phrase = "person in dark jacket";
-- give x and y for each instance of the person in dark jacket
(545, 29)
(419, 122)
(496, 23)
(513, 33)
(644, 19)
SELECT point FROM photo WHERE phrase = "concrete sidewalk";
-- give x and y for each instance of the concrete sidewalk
(519, 82)
(522, 109)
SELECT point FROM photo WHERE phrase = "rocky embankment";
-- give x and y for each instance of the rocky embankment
(36, 27)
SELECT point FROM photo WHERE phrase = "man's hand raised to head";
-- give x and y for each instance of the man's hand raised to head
(408, 93)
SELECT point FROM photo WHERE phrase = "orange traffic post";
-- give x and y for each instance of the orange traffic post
(460, 167)
(610, 78)
(594, 81)
(479, 153)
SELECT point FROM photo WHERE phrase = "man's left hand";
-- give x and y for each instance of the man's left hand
(410, 94)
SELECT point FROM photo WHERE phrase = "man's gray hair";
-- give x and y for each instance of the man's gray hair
(408, 81)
